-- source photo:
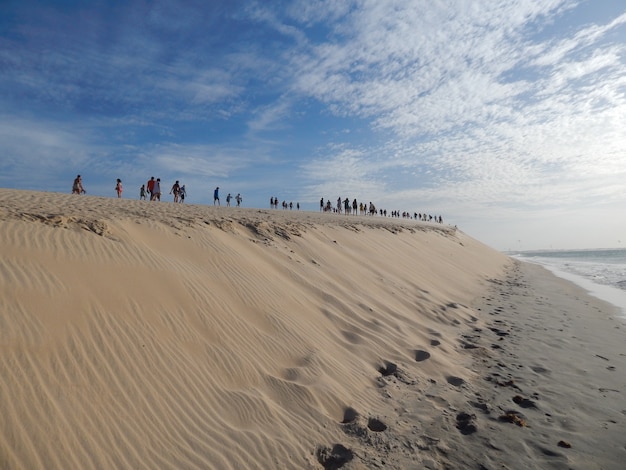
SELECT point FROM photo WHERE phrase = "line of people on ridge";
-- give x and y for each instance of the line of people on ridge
(362, 208)
(286, 205)
(152, 190)
(216, 198)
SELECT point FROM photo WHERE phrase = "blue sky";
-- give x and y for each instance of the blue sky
(508, 118)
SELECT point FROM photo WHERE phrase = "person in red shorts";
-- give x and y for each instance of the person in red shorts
(150, 187)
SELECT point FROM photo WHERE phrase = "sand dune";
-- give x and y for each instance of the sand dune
(154, 335)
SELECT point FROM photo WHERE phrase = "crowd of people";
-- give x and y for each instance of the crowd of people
(286, 205)
(361, 208)
(152, 190)
(216, 198)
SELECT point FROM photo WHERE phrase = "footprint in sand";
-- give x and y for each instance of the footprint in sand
(376, 425)
(388, 369)
(421, 355)
(334, 458)
(465, 423)
(499, 332)
(524, 402)
(349, 415)
(484, 407)
(456, 381)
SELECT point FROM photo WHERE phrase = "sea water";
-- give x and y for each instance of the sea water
(600, 272)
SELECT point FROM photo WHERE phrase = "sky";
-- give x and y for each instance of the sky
(506, 118)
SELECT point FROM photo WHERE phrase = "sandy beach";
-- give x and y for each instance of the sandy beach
(150, 335)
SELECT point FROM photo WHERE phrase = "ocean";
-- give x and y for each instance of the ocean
(601, 272)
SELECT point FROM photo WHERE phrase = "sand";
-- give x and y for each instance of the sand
(157, 335)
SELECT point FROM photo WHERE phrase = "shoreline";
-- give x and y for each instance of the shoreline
(610, 294)
(560, 365)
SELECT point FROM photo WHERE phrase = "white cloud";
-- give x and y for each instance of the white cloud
(271, 117)
(37, 143)
(434, 77)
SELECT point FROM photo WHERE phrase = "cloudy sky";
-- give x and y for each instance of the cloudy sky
(507, 118)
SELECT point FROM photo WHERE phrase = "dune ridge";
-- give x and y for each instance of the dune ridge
(155, 335)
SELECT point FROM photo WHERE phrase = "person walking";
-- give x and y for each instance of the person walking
(156, 191)
(183, 193)
(216, 196)
(150, 186)
(175, 190)
(238, 198)
(118, 188)
(77, 187)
